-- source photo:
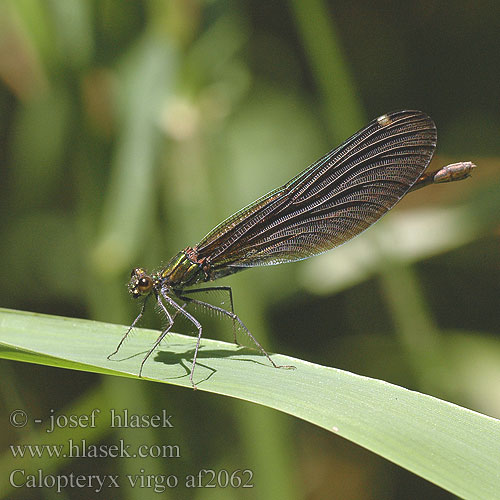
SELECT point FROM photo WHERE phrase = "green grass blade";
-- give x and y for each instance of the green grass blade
(454, 447)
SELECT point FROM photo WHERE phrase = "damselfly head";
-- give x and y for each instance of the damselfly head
(140, 283)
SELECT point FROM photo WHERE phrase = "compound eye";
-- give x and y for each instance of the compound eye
(144, 284)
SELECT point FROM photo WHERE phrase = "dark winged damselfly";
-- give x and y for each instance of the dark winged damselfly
(330, 202)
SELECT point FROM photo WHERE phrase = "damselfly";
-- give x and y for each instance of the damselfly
(330, 202)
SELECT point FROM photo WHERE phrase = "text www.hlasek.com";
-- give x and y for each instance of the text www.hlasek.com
(80, 449)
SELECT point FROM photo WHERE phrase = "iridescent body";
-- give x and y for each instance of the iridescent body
(330, 202)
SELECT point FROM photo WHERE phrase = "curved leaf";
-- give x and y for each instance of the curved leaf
(456, 448)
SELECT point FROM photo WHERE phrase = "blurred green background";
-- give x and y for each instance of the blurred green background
(129, 129)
